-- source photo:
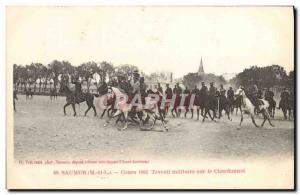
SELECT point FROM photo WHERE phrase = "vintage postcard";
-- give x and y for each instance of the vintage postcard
(150, 97)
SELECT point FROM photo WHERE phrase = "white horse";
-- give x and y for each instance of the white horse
(248, 107)
(123, 107)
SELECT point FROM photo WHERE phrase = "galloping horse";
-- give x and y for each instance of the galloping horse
(123, 107)
(71, 99)
(248, 107)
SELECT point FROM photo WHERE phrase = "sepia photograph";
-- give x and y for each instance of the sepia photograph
(150, 97)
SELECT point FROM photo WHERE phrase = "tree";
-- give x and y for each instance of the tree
(191, 79)
(263, 77)
(86, 70)
(127, 70)
(55, 68)
(106, 68)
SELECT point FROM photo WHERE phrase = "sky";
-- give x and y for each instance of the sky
(229, 39)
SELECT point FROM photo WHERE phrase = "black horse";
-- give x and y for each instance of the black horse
(238, 104)
(223, 105)
(210, 104)
(272, 106)
(72, 99)
(287, 107)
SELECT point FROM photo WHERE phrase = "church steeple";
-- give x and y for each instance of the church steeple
(201, 70)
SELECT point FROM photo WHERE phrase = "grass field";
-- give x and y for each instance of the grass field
(42, 131)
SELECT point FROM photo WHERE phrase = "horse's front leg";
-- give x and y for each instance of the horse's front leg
(89, 107)
(253, 120)
(67, 104)
(108, 120)
(214, 115)
(242, 118)
(204, 115)
(163, 121)
(95, 113)
(73, 106)
(103, 113)
(227, 112)
(186, 111)
(126, 121)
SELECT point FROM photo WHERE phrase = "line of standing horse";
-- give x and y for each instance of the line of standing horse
(124, 112)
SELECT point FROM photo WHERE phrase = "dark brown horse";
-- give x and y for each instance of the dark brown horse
(72, 99)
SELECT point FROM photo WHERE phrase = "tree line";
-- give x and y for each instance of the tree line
(264, 77)
(29, 74)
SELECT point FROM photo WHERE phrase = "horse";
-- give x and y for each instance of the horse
(196, 105)
(237, 103)
(287, 107)
(209, 104)
(248, 107)
(109, 100)
(124, 108)
(72, 99)
(272, 106)
(231, 104)
(223, 105)
(53, 94)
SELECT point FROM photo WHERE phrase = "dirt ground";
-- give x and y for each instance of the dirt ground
(42, 131)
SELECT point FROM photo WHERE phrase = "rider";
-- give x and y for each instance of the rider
(222, 91)
(78, 88)
(186, 90)
(177, 89)
(159, 88)
(195, 91)
(212, 94)
(259, 94)
(168, 92)
(136, 86)
(230, 93)
(103, 88)
(252, 95)
(143, 88)
(269, 95)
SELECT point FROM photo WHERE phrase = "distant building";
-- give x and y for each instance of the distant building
(201, 69)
